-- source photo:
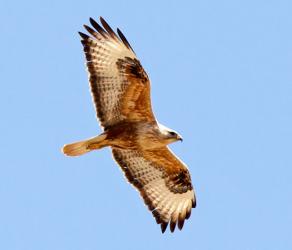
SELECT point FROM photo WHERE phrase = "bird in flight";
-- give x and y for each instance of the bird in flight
(120, 89)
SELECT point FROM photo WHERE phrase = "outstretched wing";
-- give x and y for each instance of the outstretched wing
(163, 181)
(120, 87)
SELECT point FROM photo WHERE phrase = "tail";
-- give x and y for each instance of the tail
(82, 147)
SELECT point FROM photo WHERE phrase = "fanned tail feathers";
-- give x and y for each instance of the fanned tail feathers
(82, 147)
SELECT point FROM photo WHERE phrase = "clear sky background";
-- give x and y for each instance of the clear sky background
(221, 76)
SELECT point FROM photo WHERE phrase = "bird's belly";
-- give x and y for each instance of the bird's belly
(147, 142)
(136, 143)
(133, 136)
(123, 144)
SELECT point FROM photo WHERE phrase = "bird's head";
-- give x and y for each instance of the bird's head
(174, 136)
(169, 135)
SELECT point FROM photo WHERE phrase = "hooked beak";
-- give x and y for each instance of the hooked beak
(179, 138)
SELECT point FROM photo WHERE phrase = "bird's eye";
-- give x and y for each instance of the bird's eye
(172, 133)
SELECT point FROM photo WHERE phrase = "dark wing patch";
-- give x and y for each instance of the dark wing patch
(132, 68)
(179, 182)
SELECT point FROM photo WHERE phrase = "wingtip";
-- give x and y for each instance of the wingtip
(83, 36)
(124, 40)
(109, 30)
(98, 27)
(172, 226)
(163, 226)
(90, 30)
(188, 214)
(180, 223)
(92, 21)
(194, 203)
(85, 27)
(101, 19)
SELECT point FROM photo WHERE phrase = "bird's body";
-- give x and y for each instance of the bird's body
(138, 135)
(121, 93)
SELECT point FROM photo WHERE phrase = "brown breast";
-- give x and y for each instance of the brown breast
(131, 135)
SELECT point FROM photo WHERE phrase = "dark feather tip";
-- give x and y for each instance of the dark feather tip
(194, 203)
(158, 220)
(123, 38)
(83, 36)
(108, 29)
(90, 30)
(98, 27)
(163, 226)
(188, 214)
(172, 226)
(180, 223)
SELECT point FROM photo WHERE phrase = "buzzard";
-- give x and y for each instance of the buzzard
(121, 93)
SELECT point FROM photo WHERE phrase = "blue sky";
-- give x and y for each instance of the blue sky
(221, 76)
